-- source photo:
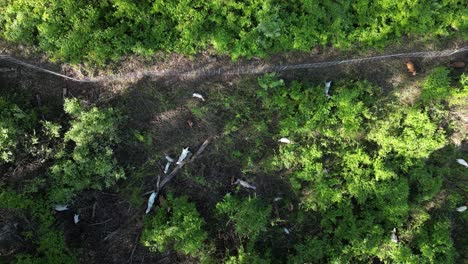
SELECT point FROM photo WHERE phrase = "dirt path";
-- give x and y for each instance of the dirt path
(243, 68)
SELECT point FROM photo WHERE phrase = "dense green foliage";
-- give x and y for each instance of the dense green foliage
(99, 31)
(437, 86)
(79, 159)
(360, 167)
(91, 137)
(250, 216)
(91, 163)
(244, 257)
(50, 242)
(177, 224)
(22, 135)
(12, 122)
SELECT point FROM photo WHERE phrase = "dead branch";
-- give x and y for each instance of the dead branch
(171, 175)
(191, 159)
(101, 223)
(165, 181)
(94, 210)
(134, 248)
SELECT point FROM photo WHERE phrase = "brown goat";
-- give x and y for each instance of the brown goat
(457, 64)
(411, 68)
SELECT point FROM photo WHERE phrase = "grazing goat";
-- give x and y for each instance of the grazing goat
(457, 64)
(411, 68)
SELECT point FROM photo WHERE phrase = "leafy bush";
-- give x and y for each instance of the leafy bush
(436, 87)
(50, 242)
(407, 132)
(326, 126)
(107, 30)
(250, 216)
(312, 250)
(21, 134)
(435, 243)
(246, 257)
(459, 96)
(304, 109)
(90, 163)
(177, 224)
(13, 123)
(358, 167)
(90, 137)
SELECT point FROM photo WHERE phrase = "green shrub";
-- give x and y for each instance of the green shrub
(250, 216)
(107, 30)
(436, 87)
(359, 167)
(13, 125)
(86, 159)
(409, 133)
(176, 224)
(460, 96)
(435, 243)
(246, 257)
(426, 182)
(312, 250)
(50, 242)
(305, 111)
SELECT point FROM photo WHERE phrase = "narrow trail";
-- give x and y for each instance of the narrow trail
(239, 70)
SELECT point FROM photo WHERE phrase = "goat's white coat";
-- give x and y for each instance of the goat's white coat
(151, 202)
(462, 162)
(461, 209)
(245, 184)
(199, 96)
(327, 89)
(183, 155)
(76, 218)
(285, 140)
(168, 158)
(60, 207)
(166, 168)
(394, 236)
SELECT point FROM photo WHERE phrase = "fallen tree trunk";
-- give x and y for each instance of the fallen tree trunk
(171, 175)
